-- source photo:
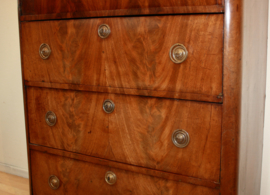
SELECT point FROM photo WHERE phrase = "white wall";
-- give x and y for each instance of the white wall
(254, 60)
(13, 154)
(265, 181)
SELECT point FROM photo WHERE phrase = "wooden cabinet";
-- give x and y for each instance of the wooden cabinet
(138, 132)
(79, 177)
(135, 55)
(133, 97)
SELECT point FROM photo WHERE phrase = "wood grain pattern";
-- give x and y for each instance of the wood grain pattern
(79, 177)
(127, 12)
(138, 132)
(13, 185)
(127, 167)
(231, 110)
(134, 56)
(69, 6)
(220, 2)
(140, 92)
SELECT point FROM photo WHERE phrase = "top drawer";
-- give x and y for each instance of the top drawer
(87, 8)
(135, 55)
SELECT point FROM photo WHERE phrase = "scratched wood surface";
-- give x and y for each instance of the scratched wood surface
(35, 7)
(134, 56)
(138, 132)
(78, 177)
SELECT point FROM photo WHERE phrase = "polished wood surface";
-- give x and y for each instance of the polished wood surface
(138, 132)
(134, 61)
(13, 185)
(140, 92)
(232, 97)
(127, 12)
(33, 7)
(127, 167)
(134, 56)
(78, 177)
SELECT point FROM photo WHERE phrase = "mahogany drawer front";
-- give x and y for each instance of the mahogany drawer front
(134, 56)
(78, 177)
(138, 131)
(34, 7)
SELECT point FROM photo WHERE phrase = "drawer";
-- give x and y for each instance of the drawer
(59, 175)
(139, 131)
(135, 55)
(35, 7)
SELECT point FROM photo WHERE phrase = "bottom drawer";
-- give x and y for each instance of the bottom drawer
(78, 177)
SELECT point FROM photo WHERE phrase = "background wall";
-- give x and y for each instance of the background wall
(13, 155)
(254, 59)
(265, 181)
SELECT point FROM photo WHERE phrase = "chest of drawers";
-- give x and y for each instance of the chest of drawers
(136, 97)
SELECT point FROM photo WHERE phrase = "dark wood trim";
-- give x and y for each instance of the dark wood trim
(126, 91)
(136, 169)
(232, 96)
(127, 12)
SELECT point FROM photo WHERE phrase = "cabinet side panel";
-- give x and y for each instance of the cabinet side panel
(232, 96)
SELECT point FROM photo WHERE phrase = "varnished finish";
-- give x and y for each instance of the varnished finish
(128, 12)
(136, 57)
(136, 169)
(138, 132)
(232, 96)
(135, 141)
(35, 7)
(13, 185)
(90, 178)
(141, 92)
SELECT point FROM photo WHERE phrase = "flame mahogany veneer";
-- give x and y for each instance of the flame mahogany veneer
(152, 95)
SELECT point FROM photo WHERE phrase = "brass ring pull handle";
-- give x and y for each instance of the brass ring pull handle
(104, 31)
(108, 106)
(54, 182)
(45, 51)
(110, 177)
(180, 138)
(50, 118)
(178, 53)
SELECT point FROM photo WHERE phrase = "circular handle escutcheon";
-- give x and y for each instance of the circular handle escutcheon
(54, 182)
(104, 31)
(110, 177)
(108, 106)
(50, 118)
(45, 51)
(178, 53)
(180, 138)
